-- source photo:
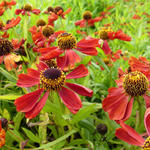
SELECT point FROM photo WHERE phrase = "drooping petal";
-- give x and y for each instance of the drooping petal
(42, 66)
(67, 11)
(33, 73)
(90, 42)
(80, 23)
(52, 54)
(127, 134)
(38, 107)
(46, 50)
(26, 102)
(128, 110)
(147, 121)
(79, 72)
(106, 48)
(88, 50)
(25, 80)
(115, 103)
(36, 11)
(70, 99)
(147, 100)
(80, 89)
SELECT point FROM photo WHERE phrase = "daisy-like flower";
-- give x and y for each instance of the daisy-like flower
(106, 33)
(129, 135)
(49, 10)
(2, 135)
(7, 48)
(87, 20)
(51, 80)
(5, 5)
(119, 101)
(43, 36)
(10, 23)
(58, 12)
(27, 9)
(67, 44)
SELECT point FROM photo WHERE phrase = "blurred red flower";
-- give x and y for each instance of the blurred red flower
(2, 135)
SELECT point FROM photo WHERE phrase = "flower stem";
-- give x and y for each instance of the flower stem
(26, 36)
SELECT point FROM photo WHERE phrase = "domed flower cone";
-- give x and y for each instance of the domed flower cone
(48, 80)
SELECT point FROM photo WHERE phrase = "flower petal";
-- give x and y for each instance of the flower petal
(127, 134)
(42, 66)
(79, 72)
(147, 121)
(106, 48)
(33, 73)
(25, 80)
(90, 42)
(70, 99)
(115, 103)
(80, 89)
(26, 102)
(47, 49)
(147, 100)
(88, 50)
(38, 107)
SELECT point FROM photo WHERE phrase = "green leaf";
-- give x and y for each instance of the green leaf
(31, 136)
(58, 140)
(8, 75)
(9, 97)
(84, 113)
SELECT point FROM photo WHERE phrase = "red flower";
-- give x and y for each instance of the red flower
(40, 40)
(129, 135)
(5, 5)
(119, 101)
(87, 20)
(136, 17)
(51, 79)
(66, 44)
(2, 135)
(12, 23)
(58, 12)
(119, 35)
(26, 10)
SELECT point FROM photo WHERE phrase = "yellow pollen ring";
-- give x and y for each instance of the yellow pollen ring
(52, 84)
(146, 145)
(66, 41)
(103, 32)
(135, 83)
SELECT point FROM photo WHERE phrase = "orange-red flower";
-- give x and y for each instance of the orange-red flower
(10, 23)
(5, 5)
(51, 80)
(27, 9)
(87, 20)
(67, 44)
(119, 35)
(2, 136)
(129, 135)
(7, 48)
(119, 101)
(58, 12)
(136, 17)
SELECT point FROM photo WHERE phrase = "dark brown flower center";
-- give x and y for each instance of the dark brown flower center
(52, 79)
(87, 15)
(28, 7)
(48, 31)
(103, 32)
(51, 63)
(135, 83)
(40, 22)
(57, 9)
(5, 47)
(66, 41)
(50, 9)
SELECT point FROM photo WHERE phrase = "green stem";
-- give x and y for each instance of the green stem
(140, 117)
(26, 36)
